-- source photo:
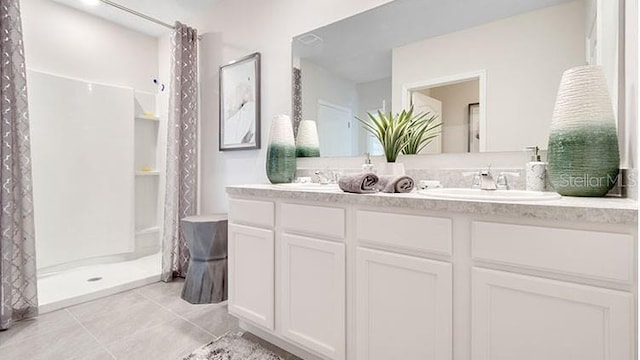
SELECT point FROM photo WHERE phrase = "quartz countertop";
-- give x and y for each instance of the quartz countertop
(594, 210)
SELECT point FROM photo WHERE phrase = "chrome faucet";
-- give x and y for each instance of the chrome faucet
(329, 177)
(482, 180)
(502, 182)
(487, 182)
(475, 181)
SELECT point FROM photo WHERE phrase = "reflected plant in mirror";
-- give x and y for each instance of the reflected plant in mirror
(403, 133)
(426, 129)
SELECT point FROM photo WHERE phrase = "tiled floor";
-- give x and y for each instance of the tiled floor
(151, 322)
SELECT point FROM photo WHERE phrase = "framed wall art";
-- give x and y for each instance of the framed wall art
(240, 104)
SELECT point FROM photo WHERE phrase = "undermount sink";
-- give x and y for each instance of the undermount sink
(308, 186)
(496, 195)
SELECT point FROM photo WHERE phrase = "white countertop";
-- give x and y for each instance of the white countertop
(596, 210)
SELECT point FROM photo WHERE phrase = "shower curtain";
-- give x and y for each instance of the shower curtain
(181, 182)
(18, 292)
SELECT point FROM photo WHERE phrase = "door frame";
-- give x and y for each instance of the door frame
(480, 75)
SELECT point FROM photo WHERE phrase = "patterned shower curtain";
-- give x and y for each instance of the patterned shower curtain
(18, 291)
(181, 183)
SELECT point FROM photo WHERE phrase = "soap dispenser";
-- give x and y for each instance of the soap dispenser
(536, 171)
(368, 167)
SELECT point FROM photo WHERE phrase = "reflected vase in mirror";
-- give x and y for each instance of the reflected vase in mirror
(307, 143)
(281, 153)
(583, 153)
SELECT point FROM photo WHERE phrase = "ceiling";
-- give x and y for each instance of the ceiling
(359, 48)
(167, 11)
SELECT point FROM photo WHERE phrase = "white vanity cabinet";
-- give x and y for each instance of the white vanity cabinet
(313, 294)
(344, 279)
(403, 302)
(312, 277)
(524, 317)
(531, 318)
(403, 306)
(251, 251)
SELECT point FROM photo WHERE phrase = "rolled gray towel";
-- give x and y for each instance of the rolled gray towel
(364, 183)
(395, 184)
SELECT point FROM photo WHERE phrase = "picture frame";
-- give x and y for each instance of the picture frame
(473, 128)
(239, 99)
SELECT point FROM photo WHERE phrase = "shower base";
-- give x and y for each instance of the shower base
(69, 287)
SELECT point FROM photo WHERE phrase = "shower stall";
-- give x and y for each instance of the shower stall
(99, 78)
(96, 175)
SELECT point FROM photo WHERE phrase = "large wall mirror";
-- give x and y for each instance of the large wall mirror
(489, 68)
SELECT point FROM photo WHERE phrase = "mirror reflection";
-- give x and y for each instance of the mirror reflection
(489, 69)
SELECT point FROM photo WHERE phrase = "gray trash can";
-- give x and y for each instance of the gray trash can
(206, 237)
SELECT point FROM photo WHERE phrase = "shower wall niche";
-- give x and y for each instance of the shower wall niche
(148, 172)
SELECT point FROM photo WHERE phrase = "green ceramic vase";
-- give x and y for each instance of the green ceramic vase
(281, 153)
(583, 152)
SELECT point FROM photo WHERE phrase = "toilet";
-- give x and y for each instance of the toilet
(206, 238)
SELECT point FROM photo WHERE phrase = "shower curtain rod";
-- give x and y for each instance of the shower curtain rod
(139, 14)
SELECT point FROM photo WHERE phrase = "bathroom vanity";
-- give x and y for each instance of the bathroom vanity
(331, 275)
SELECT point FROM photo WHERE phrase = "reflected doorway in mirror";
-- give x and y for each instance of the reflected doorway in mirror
(449, 97)
(334, 129)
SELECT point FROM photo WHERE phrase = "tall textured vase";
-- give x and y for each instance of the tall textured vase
(307, 143)
(281, 154)
(583, 150)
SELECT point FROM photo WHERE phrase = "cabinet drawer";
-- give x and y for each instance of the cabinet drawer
(411, 232)
(314, 220)
(253, 212)
(598, 255)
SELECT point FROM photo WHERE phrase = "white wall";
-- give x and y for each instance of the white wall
(67, 42)
(455, 113)
(237, 28)
(630, 150)
(520, 56)
(82, 153)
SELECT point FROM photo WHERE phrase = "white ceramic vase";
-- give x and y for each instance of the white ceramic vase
(388, 168)
(583, 150)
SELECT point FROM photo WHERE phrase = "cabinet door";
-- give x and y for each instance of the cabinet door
(404, 307)
(251, 274)
(313, 294)
(529, 318)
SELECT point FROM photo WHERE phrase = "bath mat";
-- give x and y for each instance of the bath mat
(232, 346)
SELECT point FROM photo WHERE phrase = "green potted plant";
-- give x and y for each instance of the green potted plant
(396, 133)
